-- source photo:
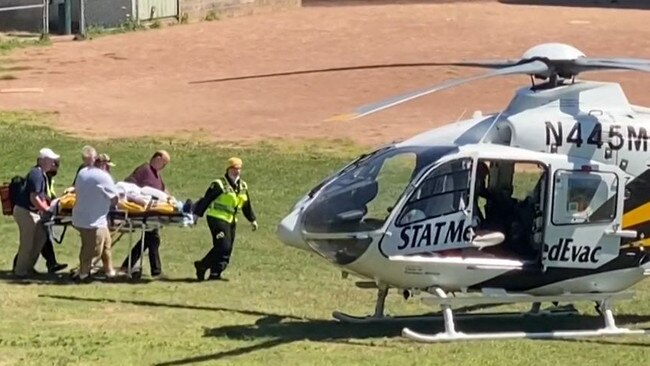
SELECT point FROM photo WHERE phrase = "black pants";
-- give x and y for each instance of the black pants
(151, 243)
(223, 237)
(48, 253)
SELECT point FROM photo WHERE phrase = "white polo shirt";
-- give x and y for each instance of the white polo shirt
(94, 189)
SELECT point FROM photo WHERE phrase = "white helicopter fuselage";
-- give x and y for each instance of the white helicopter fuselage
(581, 135)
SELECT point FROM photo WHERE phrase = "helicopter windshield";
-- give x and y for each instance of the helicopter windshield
(361, 196)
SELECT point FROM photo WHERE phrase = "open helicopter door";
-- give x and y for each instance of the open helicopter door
(435, 215)
(583, 221)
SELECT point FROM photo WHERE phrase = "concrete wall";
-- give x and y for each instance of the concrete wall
(197, 9)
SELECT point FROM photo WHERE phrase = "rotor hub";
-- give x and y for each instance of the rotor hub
(554, 52)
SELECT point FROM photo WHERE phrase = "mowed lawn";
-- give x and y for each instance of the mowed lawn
(276, 307)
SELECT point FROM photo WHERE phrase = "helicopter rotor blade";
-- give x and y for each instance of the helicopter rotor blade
(485, 64)
(488, 64)
(588, 64)
(531, 68)
(619, 60)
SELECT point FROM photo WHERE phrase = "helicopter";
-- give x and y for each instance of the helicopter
(547, 200)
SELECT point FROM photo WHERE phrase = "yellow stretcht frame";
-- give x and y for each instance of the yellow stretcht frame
(130, 207)
(66, 202)
(163, 208)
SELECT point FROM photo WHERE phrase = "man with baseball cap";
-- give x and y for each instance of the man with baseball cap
(29, 205)
(220, 204)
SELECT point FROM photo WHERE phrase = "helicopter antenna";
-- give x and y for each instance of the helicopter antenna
(481, 140)
(461, 115)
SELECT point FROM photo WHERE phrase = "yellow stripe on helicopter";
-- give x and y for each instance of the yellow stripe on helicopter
(637, 216)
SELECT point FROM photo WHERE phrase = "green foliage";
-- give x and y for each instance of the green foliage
(128, 25)
(276, 307)
(10, 43)
(210, 16)
(185, 18)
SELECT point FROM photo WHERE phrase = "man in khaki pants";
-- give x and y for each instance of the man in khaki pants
(28, 206)
(95, 194)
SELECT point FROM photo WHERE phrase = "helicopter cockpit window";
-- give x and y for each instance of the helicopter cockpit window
(445, 191)
(584, 197)
(361, 197)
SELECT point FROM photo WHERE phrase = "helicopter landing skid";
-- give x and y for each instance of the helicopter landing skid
(603, 300)
(347, 318)
(379, 315)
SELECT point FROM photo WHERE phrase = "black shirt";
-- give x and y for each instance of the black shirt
(35, 183)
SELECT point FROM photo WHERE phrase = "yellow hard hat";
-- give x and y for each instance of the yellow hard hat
(234, 162)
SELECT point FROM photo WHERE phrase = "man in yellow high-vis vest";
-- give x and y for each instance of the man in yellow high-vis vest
(220, 204)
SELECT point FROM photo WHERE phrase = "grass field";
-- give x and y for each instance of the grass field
(274, 310)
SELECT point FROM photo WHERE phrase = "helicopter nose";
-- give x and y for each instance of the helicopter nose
(288, 231)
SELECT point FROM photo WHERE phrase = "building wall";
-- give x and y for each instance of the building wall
(107, 14)
(198, 9)
(111, 13)
(104, 13)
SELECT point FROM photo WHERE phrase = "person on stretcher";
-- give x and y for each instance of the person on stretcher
(144, 196)
(136, 199)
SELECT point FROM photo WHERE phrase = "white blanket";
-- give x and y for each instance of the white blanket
(142, 195)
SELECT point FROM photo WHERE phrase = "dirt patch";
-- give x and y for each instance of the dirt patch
(139, 84)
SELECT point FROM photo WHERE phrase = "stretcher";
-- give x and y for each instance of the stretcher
(126, 218)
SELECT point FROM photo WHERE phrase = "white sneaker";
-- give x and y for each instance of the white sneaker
(110, 274)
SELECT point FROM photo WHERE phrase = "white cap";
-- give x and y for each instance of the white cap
(47, 153)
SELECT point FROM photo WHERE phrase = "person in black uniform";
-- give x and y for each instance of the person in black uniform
(223, 199)
(48, 248)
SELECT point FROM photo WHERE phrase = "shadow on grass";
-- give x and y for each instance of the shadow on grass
(62, 279)
(173, 306)
(285, 329)
(282, 333)
(188, 280)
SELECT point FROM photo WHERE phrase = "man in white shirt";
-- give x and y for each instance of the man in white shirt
(95, 194)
